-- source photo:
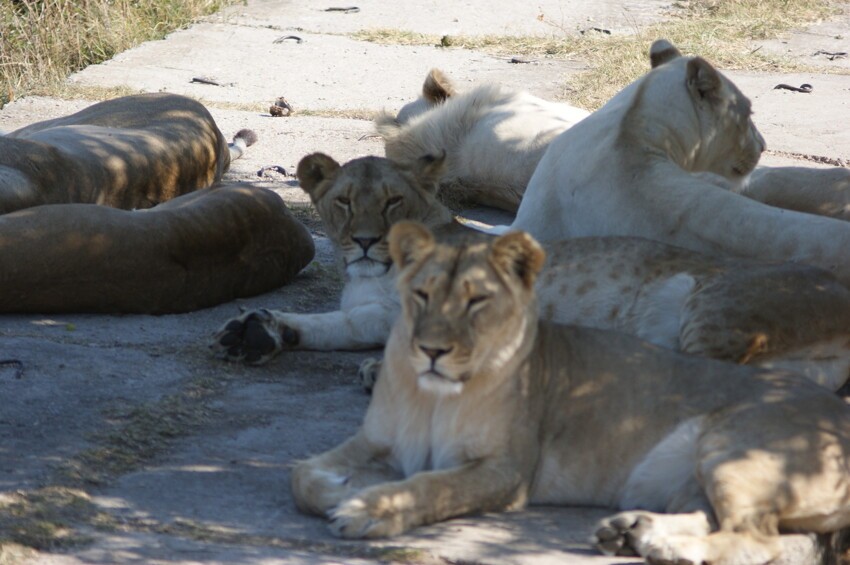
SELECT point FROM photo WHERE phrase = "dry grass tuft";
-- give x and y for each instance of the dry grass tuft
(43, 41)
(720, 30)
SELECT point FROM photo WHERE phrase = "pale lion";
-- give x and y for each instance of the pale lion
(776, 315)
(129, 152)
(496, 137)
(481, 407)
(493, 137)
(627, 170)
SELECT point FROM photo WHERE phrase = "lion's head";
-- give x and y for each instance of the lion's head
(436, 89)
(360, 200)
(729, 143)
(469, 308)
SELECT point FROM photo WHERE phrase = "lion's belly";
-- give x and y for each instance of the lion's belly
(609, 477)
(564, 479)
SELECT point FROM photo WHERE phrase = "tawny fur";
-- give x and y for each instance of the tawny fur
(721, 459)
(789, 315)
(130, 152)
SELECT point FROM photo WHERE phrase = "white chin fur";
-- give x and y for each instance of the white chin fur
(438, 385)
(366, 269)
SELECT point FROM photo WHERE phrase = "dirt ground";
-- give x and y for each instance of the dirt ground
(122, 440)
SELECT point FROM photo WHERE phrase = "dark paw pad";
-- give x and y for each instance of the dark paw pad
(256, 339)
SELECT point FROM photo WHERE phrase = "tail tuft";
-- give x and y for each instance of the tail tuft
(243, 139)
(248, 136)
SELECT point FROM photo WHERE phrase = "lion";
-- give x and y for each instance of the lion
(130, 152)
(786, 315)
(197, 250)
(493, 136)
(482, 407)
(628, 170)
(504, 133)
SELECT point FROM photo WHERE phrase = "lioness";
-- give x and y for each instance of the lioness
(625, 170)
(777, 315)
(197, 250)
(129, 152)
(495, 138)
(481, 407)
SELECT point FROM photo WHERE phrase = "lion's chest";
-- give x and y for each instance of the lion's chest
(442, 436)
(361, 291)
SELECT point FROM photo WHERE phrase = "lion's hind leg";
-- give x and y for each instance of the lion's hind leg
(780, 465)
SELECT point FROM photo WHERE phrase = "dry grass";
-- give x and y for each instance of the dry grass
(721, 30)
(43, 41)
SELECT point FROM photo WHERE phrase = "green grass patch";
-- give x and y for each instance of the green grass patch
(721, 30)
(43, 41)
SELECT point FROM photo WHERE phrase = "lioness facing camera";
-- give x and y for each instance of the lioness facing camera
(481, 407)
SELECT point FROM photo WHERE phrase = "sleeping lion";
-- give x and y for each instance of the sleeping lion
(129, 152)
(481, 407)
(496, 136)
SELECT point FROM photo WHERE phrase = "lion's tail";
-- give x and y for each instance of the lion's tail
(243, 139)
(835, 547)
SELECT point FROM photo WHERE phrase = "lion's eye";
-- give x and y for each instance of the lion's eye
(476, 302)
(393, 202)
(421, 296)
(343, 201)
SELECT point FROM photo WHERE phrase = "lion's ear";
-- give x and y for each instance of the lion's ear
(662, 51)
(519, 254)
(387, 125)
(437, 87)
(409, 242)
(703, 80)
(312, 170)
(429, 169)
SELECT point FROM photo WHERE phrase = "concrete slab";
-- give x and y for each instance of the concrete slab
(213, 487)
(325, 72)
(819, 45)
(468, 17)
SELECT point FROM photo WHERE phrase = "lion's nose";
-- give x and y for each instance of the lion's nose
(366, 242)
(435, 352)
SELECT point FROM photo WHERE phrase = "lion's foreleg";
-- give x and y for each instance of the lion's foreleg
(362, 327)
(322, 482)
(428, 497)
(258, 335)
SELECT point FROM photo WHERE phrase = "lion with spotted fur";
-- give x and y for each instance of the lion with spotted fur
(680, 299)
(481, 407)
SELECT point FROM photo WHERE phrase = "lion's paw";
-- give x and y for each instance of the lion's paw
(368, 373)
(254, 337)
(359, 517)
(619, 534)
(657, 538)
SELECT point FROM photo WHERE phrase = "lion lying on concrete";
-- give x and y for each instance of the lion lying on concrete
(627, 170)
(480, 407)
(197, 250)
(129, 152)
(63, 252)
(790, 316)
(495, 137)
